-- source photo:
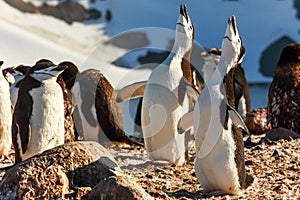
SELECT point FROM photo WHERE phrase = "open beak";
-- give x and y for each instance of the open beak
(184, 12)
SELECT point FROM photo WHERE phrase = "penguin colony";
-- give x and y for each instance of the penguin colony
(47, 105)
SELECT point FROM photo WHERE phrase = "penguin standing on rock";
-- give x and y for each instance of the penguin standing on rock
(219, 162)
(38, 119)
(5, 117)
(165, 97)
(283, 99)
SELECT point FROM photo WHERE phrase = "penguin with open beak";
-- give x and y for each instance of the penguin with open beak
(219, 162)
(166, 97)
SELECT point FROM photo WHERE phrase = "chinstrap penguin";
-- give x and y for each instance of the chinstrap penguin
(283, 98)
(165, 97)
(5, 117)
(240, 84)
(38, 119)
(219, 162)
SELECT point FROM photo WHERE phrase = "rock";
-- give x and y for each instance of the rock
(118, 187)
(22, 5)
(281, 133)
(68, 171)
(130, 40)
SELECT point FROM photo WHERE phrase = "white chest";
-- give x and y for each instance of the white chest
(47, 119)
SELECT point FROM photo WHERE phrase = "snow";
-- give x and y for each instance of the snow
(259, 22)
(26, 38)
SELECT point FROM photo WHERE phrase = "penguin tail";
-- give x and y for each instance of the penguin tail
(248, 181)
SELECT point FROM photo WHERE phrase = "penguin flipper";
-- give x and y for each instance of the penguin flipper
(134, 90)
(185, 88)
(236, 119)
(186, 122)
(192, 92)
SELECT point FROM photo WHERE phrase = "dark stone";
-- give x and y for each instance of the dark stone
(130, 40)
(93, 14)
(281, 133)
(22, 6)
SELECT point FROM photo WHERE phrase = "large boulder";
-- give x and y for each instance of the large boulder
(69, 171)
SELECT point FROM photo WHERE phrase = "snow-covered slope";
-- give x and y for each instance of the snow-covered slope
(260, 24)
(26, 38)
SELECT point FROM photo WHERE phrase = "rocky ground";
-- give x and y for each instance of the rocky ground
(274, 164)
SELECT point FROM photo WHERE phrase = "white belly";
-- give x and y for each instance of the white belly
(47, 120)
(5, 118)
(218, 171)
(215, 166)
(160, 116)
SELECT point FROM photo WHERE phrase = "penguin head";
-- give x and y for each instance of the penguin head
(232, 46)
(46, 70)
(184, 29)
(290, 53)
(69, 75)
(15, 74)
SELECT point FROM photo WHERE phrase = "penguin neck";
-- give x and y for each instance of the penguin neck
(222, 69)
(180, 55)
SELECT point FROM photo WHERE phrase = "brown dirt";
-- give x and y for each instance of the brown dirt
(275, 166)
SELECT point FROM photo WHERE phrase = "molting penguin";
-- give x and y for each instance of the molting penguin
(15, 75)
(100, 117)
(5, 117)
(165, 97)
(38, 119)
(66, 80)
(219, 162)
(240, 85)
(283, 99)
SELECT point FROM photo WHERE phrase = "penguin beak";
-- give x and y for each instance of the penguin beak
(184, 12)
(60, 68)
(233, 24)
(1, 63)
(231, 30)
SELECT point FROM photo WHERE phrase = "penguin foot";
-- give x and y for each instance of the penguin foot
(209, 193)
